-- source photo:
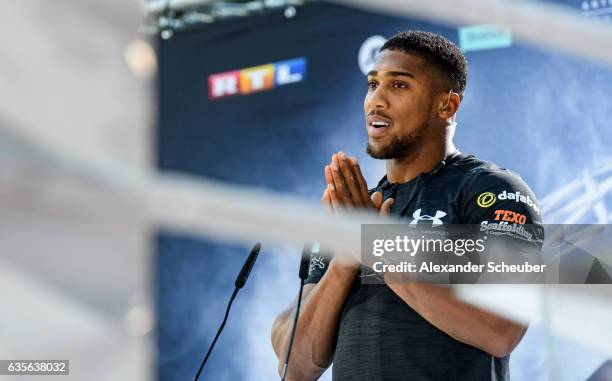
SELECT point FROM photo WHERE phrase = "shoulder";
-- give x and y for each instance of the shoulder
(480, 175)
(486, 185)
(464, 170)
(472, 167)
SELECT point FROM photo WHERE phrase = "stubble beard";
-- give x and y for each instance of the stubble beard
(400, 146)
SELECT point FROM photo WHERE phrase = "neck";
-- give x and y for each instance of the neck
(424, 159)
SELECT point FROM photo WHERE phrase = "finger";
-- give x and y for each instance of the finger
(350, 180)
(326, 200)
(385, 208)
(377, 199)
(342, 191)
(328, 175)
(363, 186)
(335, 200)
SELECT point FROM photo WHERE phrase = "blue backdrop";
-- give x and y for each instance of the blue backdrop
(541, 114)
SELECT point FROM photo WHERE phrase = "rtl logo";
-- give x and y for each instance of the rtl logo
(258, 78)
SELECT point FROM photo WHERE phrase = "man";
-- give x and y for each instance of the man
(403, 330)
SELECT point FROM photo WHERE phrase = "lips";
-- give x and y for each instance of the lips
(377, 120)
(378, 125)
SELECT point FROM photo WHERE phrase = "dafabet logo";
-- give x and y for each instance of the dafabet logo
(486, 199)
(257, 78)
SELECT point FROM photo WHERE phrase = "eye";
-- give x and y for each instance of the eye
(372, 84)
(399, 85)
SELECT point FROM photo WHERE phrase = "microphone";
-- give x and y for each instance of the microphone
(239, 283)
(303, 274)
(305, 262)
(247, 267)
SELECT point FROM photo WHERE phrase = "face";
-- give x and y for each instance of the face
(398, 106)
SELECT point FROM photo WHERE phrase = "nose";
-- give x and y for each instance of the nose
(376, 100)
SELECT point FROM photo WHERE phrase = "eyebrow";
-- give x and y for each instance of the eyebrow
(393, 74)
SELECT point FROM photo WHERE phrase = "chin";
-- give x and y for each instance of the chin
(377, 150)
(396, 149)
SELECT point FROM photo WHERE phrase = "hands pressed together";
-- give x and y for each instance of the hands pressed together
(346, 188)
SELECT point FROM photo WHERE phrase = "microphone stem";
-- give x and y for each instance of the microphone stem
(229, 305)
(295, 321)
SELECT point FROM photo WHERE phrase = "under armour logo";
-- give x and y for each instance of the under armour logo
(435, 220)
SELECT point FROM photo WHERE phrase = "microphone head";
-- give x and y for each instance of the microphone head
(305, 262)
(248, 266)
(256, 248)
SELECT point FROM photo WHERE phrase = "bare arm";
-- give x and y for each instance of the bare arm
(464, 322)
(317, 329)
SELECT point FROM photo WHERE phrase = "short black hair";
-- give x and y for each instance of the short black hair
(437, 52)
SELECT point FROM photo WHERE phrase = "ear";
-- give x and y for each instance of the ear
(448, 104)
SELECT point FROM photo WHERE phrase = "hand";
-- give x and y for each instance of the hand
(346, 187)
